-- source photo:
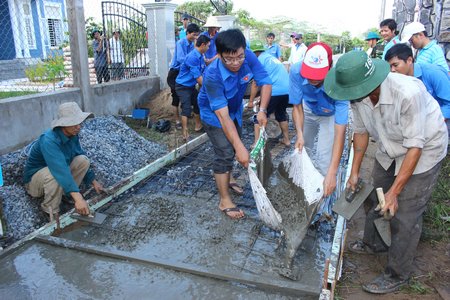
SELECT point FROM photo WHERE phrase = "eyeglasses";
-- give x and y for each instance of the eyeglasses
(236, 60)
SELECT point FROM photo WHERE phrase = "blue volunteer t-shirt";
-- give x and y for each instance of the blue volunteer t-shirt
(212, 46)
(222, 87)
(437, 82)
(273, 50)
(191, 69)
(182, 48)
(315, 98)
(277, 73)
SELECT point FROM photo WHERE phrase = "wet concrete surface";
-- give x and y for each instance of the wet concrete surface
(43, 271)
(174, 215)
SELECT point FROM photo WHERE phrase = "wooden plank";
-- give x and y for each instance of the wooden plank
(125, 185)
(262, 282)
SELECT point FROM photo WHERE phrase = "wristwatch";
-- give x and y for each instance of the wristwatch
(264, 110)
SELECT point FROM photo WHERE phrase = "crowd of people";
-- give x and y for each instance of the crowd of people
(399, 99)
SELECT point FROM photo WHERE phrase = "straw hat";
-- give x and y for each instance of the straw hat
(212, 22)
(70, 114)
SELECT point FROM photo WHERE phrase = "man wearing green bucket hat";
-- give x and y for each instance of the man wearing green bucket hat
(375, 49)
(395, 110)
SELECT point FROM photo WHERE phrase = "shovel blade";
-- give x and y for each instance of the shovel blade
(96, 218)
(347, 209)
(383, 227)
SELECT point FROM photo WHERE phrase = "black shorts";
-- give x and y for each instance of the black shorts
(171, 77)
(188, 98)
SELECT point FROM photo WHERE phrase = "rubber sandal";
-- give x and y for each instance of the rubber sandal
(384, 284)
(201, 130)
(235, 188)
(178, 125)
(232, 209)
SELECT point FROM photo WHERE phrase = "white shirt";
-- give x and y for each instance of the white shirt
(115, 51)
(406, 116)
(297, 53)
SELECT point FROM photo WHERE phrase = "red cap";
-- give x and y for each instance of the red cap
(317, 62)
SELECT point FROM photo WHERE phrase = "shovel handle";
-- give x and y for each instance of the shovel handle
(382, 201)
(380, 196)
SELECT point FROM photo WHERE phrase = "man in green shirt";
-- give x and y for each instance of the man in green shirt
(57, 164)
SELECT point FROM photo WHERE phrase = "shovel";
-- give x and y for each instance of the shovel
(383, 224)
(349, 201)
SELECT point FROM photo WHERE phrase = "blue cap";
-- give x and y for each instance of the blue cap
(372, 35)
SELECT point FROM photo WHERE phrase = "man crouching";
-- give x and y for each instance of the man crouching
(58, 164)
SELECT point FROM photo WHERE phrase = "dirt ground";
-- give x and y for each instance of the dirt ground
(432, 264)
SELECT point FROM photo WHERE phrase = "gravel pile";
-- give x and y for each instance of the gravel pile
(115, 152)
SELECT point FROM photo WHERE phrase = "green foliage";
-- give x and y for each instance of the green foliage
(50, 70)
(199, 9)
(4, 95)
(90, 25)
(437, 215)
(416, 287)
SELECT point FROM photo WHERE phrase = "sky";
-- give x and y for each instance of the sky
(335, 16)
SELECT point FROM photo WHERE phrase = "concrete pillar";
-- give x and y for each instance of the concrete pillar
(79, 52)
(161, 38)
(227, 22)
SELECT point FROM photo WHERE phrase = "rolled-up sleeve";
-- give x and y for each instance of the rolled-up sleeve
(358, 124)
(295, 85)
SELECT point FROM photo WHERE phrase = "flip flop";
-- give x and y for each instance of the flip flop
(232, 209)
(199, 130)
(384, 284)
(235, 188)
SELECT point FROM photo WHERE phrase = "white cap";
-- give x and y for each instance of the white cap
(411, 29)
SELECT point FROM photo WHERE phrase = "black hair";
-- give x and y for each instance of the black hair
(192, 28)
(390, 23)
(229, 41)
(203, 39)
(271, 34)
(401, 51)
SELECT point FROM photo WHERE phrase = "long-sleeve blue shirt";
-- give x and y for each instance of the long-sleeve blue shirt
(56, 151)
(191, 69)
(182, 48)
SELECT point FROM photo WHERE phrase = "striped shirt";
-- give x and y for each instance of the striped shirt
(433, 54)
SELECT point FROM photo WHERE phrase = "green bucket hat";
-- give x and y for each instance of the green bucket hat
(355, 76)
(256, 46)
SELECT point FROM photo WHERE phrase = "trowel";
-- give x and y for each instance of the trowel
(93, 217)
(383, 224)
(350, 200)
